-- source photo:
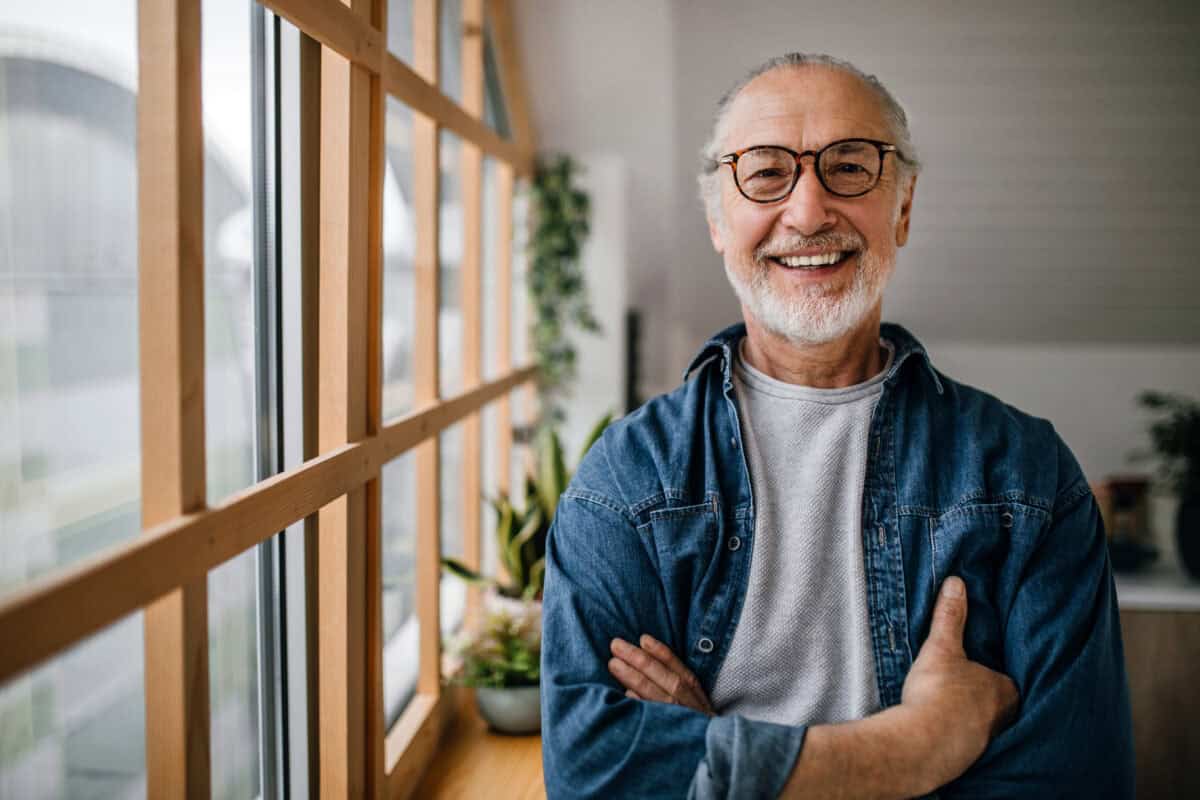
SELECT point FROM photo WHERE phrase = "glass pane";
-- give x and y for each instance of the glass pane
(489, 232)
(400, 640)
(520, 293)
(75, 726)
(491, 487)
(69, 439)
(453, 591)
(523, 404)
(233, 677)
(495, 110)
(450, 66)
(400, 32)
(399, 245)
(228, 248)
(450, 251)
(229, 317)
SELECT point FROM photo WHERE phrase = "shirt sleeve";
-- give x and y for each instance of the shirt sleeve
(1072, 736)
(596, 742)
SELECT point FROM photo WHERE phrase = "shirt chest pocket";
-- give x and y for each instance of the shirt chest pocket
(984, 544)
(686, 544)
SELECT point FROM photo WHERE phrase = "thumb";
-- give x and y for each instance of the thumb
(950, 615)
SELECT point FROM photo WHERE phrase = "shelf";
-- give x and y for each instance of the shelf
(1159, 589)
(475, 762)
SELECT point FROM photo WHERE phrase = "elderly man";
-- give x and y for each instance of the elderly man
(758, 585)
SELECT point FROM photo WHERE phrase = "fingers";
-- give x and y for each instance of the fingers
(663, 653)
(634, 680)
(654, 673)
(666, 681)
(949, 616)
(691, 684)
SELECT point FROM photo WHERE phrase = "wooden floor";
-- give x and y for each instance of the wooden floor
(474, 762)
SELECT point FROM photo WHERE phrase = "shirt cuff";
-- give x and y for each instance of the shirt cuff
(746, 758)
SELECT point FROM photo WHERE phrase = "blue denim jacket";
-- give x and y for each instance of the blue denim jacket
(957, 482)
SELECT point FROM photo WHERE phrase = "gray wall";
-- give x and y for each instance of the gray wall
(1055, 226)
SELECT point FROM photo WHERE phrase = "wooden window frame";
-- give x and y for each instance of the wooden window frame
(347, 442)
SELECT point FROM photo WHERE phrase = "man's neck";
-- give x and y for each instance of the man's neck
(852, 359)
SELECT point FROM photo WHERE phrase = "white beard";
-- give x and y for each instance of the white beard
(812, 316)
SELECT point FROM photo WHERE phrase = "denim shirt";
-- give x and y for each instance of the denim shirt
(656, 531)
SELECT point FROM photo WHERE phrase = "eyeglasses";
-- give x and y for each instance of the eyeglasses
(846, 168)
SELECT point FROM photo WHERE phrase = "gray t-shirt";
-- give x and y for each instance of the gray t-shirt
(802, 652)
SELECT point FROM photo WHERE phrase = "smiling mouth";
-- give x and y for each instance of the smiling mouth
(820, 261)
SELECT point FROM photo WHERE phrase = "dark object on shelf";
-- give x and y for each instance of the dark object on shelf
(1129, 556)
(1187, 534)
(1175, 433)
(633, 359)
(1124, 503)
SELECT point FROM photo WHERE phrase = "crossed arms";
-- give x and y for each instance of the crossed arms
(1071, 736)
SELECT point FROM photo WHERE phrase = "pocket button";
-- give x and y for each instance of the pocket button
(705, 645)
(734, 543)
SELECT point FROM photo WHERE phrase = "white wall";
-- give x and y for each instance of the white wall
(601, 84)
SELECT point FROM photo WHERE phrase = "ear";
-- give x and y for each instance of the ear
(905, 214)
(714, 233)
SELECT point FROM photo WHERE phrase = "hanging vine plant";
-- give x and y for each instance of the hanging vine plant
(557, 290)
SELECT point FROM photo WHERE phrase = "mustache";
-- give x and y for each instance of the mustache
(824, 241)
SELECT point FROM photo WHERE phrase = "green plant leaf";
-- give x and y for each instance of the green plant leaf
(504, 522)
(519, 566)
(537, 576)
(461, 570)
(552, 472)
(594, 434)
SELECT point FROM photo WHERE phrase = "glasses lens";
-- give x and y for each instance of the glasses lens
(765, 173)
(851, 167)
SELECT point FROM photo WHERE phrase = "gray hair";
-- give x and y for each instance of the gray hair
(893, 113)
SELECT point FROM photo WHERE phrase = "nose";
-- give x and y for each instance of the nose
(806, 210)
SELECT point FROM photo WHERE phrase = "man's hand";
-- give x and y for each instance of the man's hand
(950, 708)
(951, 692)
(653, 672)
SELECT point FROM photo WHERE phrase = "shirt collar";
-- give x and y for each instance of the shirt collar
(721, 346)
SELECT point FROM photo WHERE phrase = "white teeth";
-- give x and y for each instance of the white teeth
(821, 260)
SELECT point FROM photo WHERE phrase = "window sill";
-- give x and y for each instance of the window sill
(472, 761)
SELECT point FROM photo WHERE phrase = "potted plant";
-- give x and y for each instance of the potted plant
(502, 662)
(1175, 433)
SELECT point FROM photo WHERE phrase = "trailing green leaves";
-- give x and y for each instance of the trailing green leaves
(555, 279)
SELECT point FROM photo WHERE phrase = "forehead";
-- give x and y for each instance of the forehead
(803, 108)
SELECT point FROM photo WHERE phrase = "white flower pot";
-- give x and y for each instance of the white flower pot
(515, 710)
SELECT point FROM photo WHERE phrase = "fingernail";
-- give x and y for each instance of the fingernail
(647, 640)
(953, 587)
(616, 644)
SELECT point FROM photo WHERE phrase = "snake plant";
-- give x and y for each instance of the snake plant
(521, 530)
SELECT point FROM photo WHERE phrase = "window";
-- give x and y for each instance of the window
(146, 515)
(69, 456)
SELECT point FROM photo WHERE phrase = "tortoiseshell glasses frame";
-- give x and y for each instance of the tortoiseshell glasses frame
(880, 148)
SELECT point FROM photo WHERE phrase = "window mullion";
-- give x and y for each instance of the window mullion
(171, 368)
